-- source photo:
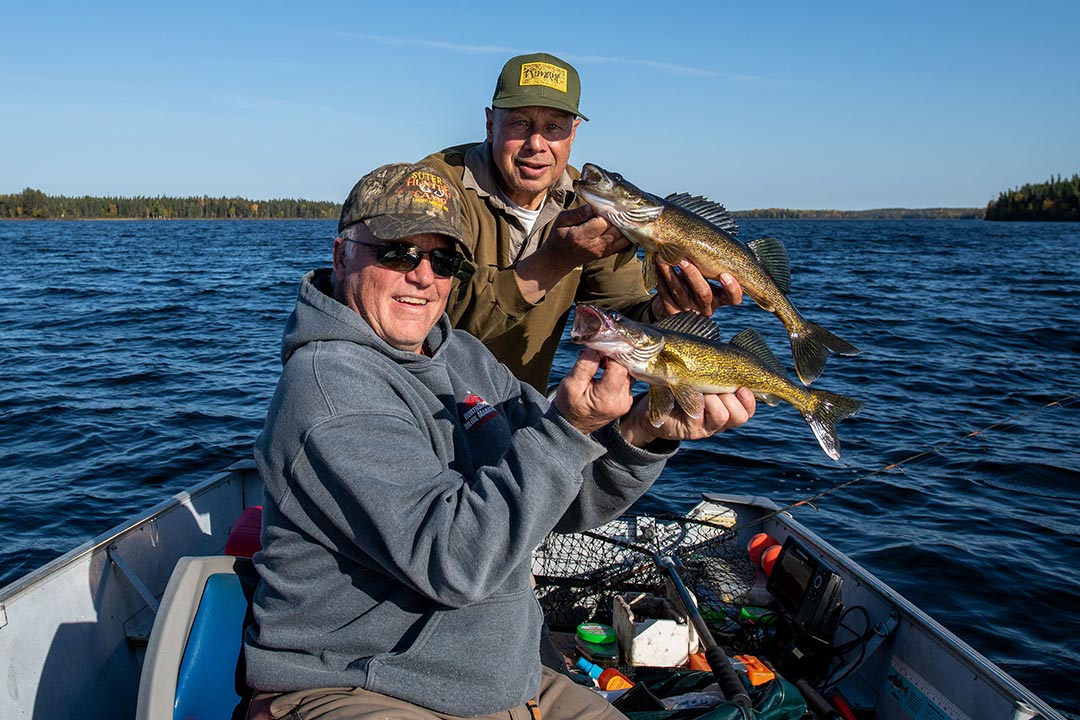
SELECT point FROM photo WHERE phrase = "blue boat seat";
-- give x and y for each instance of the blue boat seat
(194, 660)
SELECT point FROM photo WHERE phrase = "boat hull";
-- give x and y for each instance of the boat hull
(73, 633)
(923, 669)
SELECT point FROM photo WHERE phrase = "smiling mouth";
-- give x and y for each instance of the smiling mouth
(412, 301)
(528, 167)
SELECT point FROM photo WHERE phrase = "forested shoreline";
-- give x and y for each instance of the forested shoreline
(34, 204)
(1055, 200)
(877, 214)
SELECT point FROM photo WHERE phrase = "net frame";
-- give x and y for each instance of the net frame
(578, 574)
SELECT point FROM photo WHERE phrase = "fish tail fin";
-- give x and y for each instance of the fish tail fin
(811, 346)
(826, 409)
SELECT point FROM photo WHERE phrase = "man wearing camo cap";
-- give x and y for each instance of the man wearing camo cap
(409, 476)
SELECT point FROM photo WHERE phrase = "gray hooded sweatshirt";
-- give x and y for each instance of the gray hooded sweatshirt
(404, 495)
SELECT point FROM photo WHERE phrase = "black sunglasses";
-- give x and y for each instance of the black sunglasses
(404, 257)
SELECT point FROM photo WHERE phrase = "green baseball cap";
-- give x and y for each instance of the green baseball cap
(538, 79)
(403, 199)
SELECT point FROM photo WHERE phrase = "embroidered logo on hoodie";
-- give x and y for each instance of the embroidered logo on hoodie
(477, 412)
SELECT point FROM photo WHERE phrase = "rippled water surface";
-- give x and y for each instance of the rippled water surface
(139, 358)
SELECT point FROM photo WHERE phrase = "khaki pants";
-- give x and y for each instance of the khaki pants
(559, 699)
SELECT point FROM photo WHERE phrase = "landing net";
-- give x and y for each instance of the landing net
(578, 574)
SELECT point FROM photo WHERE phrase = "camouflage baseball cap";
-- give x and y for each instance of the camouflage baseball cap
(403, 199)
(538, 79)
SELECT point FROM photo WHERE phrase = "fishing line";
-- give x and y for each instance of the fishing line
(898, 466)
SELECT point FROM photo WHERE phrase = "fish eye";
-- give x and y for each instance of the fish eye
(616, 177)
(616, 316)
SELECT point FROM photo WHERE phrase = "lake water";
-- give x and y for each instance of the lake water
(139, 358)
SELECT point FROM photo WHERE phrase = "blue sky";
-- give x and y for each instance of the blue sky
(801, 105)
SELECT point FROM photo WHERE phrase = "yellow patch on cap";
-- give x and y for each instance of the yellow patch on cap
(429, 188)
(544, 74)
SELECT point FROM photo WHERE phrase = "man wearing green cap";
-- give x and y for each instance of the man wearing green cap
(536, 247)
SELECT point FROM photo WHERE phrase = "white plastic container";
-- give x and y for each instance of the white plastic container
(652, 632)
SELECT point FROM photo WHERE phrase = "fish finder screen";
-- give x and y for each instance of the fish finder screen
(790, 579)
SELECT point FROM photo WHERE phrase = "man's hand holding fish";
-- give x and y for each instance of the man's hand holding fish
(686, 288)
(581, 235)
(588, 402)
(578, 236)
(722, 411)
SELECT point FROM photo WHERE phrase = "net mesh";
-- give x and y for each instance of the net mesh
(578, 574)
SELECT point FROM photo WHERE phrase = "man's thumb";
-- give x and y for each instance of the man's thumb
(584, 369)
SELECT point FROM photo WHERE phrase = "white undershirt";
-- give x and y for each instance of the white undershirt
(527, 217)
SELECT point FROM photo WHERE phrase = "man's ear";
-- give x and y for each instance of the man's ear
(490, 114)
(340, 256)
(339, 253)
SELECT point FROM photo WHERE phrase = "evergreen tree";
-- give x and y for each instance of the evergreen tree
(1056, 200)
(31, 203)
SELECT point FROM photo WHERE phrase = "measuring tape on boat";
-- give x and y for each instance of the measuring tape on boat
(919, 698)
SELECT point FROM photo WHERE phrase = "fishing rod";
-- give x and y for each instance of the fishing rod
(667, 561)
(1011, 420)
(726, 678)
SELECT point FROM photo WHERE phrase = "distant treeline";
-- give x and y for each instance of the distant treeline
(879, 214)
(1055, 200)
(1058, 199)
(32, 203)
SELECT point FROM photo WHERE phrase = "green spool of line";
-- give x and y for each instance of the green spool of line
(597, 642)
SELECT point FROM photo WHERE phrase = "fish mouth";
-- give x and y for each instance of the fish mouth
(592, 173)
(588, 323)
(593, 177)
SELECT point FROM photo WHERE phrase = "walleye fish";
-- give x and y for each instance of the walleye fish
(682, 226)
(683, 356)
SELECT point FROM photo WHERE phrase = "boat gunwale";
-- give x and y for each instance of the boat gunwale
(1026, 703)
(961, 651)
(80, 553)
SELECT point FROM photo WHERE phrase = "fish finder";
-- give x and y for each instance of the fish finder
(805, 588)
(808, 593)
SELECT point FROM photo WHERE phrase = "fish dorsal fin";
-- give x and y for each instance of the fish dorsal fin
(705, 209)
(753, 342)
(773, 256)
(691, 323)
